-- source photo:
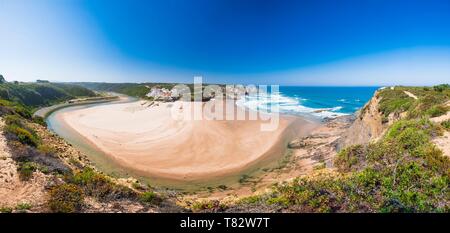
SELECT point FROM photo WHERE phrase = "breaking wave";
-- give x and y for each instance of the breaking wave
(283, 104)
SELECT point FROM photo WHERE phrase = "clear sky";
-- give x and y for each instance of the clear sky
(313, 42)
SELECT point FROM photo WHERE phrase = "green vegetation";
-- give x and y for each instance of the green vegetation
(441, 87)
(17, 101)
(208, 206)
(430, 101)
(26, 146)
(66, 198)
(394, 101)
(150, 197)
(23, 206)
(133, 89)
(446, 124)
(244, 178)
(19, 130)
(6, 210)
(42, 94)
(26, 170)
(130, 89)
(401, 172)
(100, 186)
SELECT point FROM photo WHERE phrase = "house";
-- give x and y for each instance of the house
(160, 94)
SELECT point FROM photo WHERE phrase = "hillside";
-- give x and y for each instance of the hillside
(400, 163)
(391, 159)
(40, 172)
(133, 89)
(42, 94)
(130, 89)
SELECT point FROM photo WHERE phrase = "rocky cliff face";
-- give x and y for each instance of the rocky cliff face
(370, 124)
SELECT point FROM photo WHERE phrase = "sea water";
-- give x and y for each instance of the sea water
(320, 102)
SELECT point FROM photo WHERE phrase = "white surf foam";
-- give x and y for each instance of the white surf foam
(285, 104)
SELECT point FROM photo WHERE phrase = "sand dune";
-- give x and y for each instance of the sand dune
(150, 141)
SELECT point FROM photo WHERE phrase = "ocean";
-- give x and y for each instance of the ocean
(321, 102)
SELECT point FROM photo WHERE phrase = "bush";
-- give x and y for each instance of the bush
(441, 87)
(393, 101)
(45, 149)
(100, 186)
(436, 111)
(348, 159)
(244, 178)
(23, 206)
(446, 124)
(20, 131)
(66, 198)
(6, 210)
(24, 136)
(150, 197)
(26, 170)
(208, 205)
(40, 120)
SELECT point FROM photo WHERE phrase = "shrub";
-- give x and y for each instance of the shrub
(436, 111)
(26, 170)
(244, 178)
(441, 87)
(24, 136)
(150, 197)
(394, 101)
(6, 210)
(251, 199)
(23, 206)
(446, 124)
(19, 130)
(208, 205)
(39, 120)
(348, 159)
(66, 198)
(222, 187)
(45, 149)
(100, 186)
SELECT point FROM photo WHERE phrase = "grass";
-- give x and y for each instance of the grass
(23, 206)
(429, 103)
(394, 101)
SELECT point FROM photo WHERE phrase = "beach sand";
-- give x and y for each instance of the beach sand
(150, 141)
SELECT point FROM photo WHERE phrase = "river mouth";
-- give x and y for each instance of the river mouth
(111, 166)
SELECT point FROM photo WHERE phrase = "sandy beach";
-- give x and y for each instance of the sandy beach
(150, 141)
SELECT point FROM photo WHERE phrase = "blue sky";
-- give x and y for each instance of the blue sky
(249, 41)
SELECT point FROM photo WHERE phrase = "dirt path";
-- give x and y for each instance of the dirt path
(411, 95)
(443, 142)
(13, 191)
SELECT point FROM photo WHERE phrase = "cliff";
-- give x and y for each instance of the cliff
(367, 126)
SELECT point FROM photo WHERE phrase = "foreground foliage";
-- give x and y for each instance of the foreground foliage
(66, 198)
(401, 172)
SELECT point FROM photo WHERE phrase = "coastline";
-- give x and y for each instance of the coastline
(191, 160)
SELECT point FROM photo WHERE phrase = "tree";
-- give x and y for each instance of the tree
(2, 79)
